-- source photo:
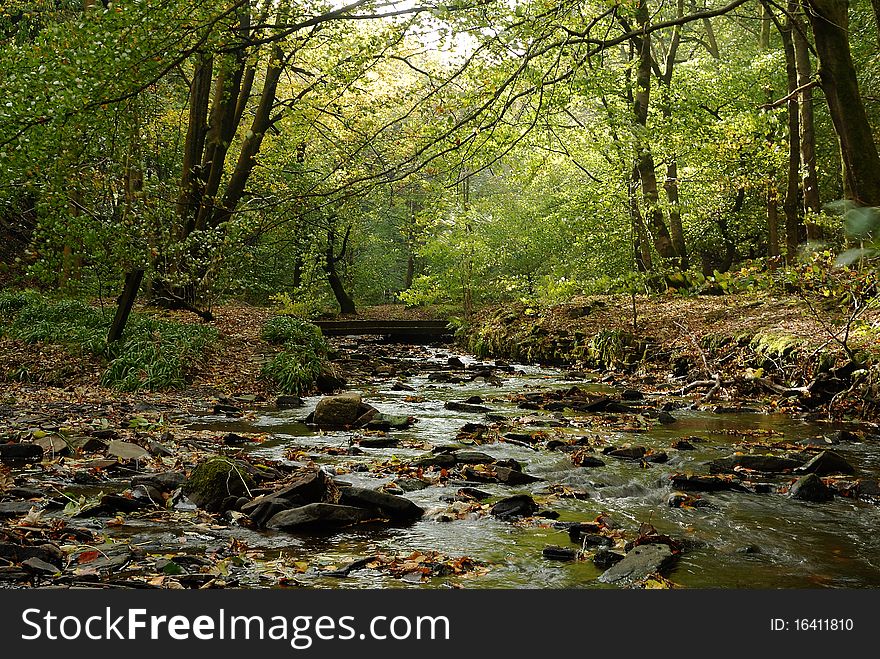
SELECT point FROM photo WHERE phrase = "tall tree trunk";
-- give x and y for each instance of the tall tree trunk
(764, 35)
(670, 184)
(791, 203)
(837, 76)
(641, 241)
(809, 181)
(645, 158)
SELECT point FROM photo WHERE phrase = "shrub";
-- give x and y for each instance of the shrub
(152, 354)
(155, 354)
(296, 368)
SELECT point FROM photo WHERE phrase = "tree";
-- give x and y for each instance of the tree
(861, 163)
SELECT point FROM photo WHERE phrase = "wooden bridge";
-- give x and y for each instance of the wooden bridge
(403, 331)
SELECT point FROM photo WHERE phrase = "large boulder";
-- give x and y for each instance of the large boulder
(314, 487)
(395, 508)
(216, 480)
(318, 517)
(341, 411)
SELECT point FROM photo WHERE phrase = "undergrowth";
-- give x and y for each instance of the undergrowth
(302, 359)
(152, 354)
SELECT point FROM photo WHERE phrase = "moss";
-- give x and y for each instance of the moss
(215, 479)
(714, 341)
(775, 345)
(615, 348)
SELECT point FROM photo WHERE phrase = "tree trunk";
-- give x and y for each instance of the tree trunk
(837, 76)
(645, 158)
(791, 204)
(809, 181)
(670, 184)
(346, 303)
(764, 35)
(772, 223)
(641, 242)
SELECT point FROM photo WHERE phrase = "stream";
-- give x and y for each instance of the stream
(740, 540)
(731, 539)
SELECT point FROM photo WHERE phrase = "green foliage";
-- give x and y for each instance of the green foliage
(67, 322)
(302, 358)
(615, 349)
(287, 329)
(152, 354)
(303, 308)
(156, 354)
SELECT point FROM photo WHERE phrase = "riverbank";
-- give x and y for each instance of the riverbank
(725, 347)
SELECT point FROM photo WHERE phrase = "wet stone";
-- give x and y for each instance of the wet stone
(25, 493)
(604, 558)
(339, 411)
(166, 481)
(555, 553)
(11, 509)
(87, 444)
(520, 505)
(411, 484)
(39, 566)
(472, 493)
(288, 402)
(21, 452)
(381, 421)
(639, 563)
(514, 477)
(234, 439)
(770, 464)
(18, 553)
(627, 453)
(126, 450)
(826, 463)
(810, 488)
(454, 406)
(472, 457)
(53, 445)
(378, 442)
(395, 508)
(318, 516)
(159, 449)
(696, 483)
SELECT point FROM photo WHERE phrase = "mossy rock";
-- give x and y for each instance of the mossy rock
(215, 480)
(714, 341)
(775, 345)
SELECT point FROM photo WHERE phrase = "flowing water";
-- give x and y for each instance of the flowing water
(740, 540)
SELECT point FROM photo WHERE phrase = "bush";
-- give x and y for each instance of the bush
(301, 361)
(287, 329)
(155, 354)
(152, 354)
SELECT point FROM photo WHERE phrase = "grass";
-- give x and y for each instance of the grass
(302, 359)
(152, 354)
